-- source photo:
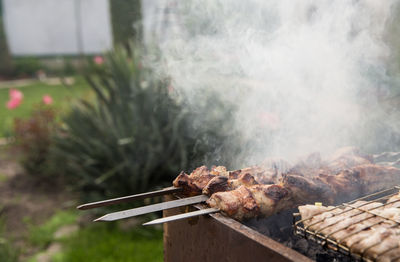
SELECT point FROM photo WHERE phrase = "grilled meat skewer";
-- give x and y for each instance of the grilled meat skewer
(252, 199)
(195, 181)
(201, 180)
(189, 185)
(241, 195)
(249, 202)
(294, 190)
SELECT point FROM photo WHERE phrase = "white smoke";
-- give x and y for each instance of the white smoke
(304, 74)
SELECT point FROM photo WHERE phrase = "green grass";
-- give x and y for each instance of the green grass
(7, 252)
(62, 96)
(42, 235)
(108, 243)
(101, 242)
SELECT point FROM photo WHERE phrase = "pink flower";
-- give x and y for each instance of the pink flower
(16, 97)
(47, 100)
(98, 60)
(14, 103)
(15, 94)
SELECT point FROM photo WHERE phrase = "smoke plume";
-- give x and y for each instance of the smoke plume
(292, 77)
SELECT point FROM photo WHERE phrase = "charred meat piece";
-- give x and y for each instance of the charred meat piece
(247, 176)
(253, 201)
(219, 171)
(217, 184)
(307, 190)
(194, 183)
(361, 180)
(221, 184)
(347, 157)
(309, 167)
(239, 203)
(342, 159)
(343, 186)
(374, 178)
(262, 174)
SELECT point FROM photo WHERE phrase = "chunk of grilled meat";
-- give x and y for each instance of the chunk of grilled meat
(239, 203)
(205, 181)
(253, 201)
(194, 183)
(307, 190)
(347, 157)
(236, 179)
(221, 184)
(375, 178)
(262, 174)
(343, 186)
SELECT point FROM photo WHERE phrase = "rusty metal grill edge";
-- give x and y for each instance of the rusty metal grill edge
(216, 237)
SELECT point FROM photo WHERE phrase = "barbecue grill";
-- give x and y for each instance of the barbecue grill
(219, 238)
(337, 245)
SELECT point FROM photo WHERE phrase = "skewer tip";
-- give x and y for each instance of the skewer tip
(149, 223)
(100, 219)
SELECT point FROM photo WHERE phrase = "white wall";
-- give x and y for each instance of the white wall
(50, 27)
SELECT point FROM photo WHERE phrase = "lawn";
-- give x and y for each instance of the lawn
(98, 242)
(109, 243)
(62, 97)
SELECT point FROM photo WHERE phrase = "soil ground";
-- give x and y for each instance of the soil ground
(23, 201)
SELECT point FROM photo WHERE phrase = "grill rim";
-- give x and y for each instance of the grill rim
(283, 252)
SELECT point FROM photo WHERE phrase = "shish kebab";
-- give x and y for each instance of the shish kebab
(188, 185)
(194, 183)
(264, 199)
(296, 189)
(198, 179)
(200, 184)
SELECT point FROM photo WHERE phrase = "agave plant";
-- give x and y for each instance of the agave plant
(131, 138)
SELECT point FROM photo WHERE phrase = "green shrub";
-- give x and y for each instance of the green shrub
(33, 136)
(27, 66)
(131, 139)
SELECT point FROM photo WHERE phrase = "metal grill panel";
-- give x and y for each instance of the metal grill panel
(328, 241)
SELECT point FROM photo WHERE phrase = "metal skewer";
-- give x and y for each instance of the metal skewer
(152, 208)
(165, 191)
(182, 216)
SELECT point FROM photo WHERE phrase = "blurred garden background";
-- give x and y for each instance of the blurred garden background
(82, 118)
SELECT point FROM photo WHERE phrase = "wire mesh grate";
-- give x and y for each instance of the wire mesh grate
(356, 213)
